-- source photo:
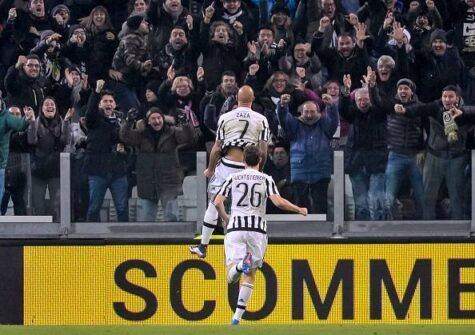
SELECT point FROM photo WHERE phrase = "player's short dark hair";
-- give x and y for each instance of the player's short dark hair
(252, 155)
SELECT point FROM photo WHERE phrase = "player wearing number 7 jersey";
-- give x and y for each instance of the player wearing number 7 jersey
(236, 130)
(245, 243)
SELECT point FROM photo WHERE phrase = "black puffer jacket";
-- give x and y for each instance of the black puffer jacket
(102, 159)
(24, 91)
(404, 133)
(435, 72)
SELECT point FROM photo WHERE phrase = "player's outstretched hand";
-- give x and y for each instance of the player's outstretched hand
(303, 211)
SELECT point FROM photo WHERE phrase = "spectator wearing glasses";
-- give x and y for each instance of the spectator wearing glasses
(24, 84)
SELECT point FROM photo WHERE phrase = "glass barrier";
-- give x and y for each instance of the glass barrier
(32, 188)
(407, 187)
(139, 187)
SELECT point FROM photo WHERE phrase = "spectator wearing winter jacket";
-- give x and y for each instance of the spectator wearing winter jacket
(310, 151)
(211, 104)
(437, 67)
(159, 174)
(266, 52)
(28, 24)
(105, 162)
(24, 84)
(405, 142)
(15, 171)
(132, 61)
(163, 16)
(447, 154)
(8, 124)
(366, 152)
(349, 57)
(47, 137)
(181, 52)
(102, 43)
(220, 52)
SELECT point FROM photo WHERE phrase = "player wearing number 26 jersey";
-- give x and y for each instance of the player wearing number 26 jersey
(237, 129)
(245, 243)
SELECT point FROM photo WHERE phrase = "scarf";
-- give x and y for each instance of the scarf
(190, 115)
(231, 18)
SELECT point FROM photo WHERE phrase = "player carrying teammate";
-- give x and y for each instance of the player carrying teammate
(236, 130)
(246, 238)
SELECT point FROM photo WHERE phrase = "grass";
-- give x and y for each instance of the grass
(242, 330)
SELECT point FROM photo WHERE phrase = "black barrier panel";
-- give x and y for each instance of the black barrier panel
(11, 285)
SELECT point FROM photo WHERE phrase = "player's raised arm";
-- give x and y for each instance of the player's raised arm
(286, 205)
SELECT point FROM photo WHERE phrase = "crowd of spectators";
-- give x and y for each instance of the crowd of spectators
(132, 88)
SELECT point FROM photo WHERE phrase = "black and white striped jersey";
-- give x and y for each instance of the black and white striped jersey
(249, 190)
(241, 127)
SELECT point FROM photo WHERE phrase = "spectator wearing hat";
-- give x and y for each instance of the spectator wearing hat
(159, 174)
(78, 48)
(132, 61)
(447, 154)
(151, 98)
(53, 61)
(437, 67)
(180, 52)
(60, 16)
(281, 23)
(405, 143)
(72, 92)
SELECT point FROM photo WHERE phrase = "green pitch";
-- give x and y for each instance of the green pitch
(242, 330)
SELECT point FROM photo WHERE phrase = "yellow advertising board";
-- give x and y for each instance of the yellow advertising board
(298, 284)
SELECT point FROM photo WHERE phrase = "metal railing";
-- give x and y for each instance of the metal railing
(280, 226)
